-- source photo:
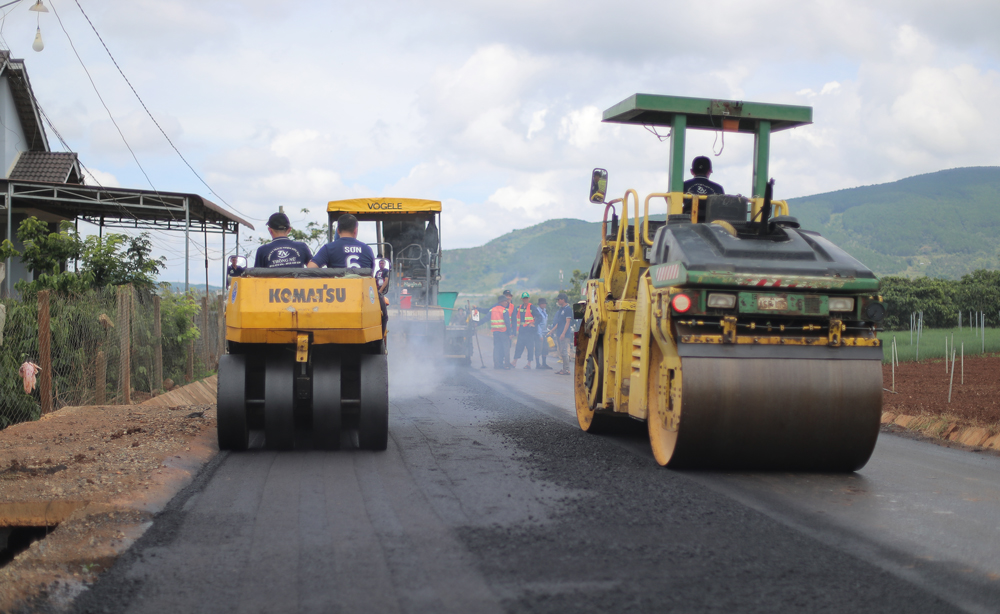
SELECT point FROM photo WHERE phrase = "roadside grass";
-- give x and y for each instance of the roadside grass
(932, 343)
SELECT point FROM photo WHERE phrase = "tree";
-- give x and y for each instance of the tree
(576, 285)
(110, 261)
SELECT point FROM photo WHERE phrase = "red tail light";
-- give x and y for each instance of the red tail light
(681, 303)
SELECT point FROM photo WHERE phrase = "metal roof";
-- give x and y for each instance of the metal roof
(118, 207)
(706, 113)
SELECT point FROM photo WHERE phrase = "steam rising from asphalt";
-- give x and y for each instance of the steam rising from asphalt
(416, 367)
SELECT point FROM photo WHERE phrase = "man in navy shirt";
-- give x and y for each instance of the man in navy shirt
(346, 252)
(281, 251)
(701, 168)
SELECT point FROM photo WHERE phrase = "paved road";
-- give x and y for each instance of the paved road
(490, 500)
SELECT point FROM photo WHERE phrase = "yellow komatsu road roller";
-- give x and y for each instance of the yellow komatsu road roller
(743, 340)
(306, 360)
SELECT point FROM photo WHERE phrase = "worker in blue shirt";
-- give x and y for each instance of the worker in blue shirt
(281, 251)
(701, 169)
(345, 252)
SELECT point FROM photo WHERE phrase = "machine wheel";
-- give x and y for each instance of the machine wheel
(662, 417)
(326, 409)
(590, 420)
(231, 399)
(373, 423)
(279, 401)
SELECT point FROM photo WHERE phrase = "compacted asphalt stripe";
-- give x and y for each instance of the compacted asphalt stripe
(482, 503)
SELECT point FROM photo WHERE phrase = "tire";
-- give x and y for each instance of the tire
(279, 401)
(373, 422)
(231, 397)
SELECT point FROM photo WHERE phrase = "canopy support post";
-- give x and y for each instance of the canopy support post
(761, 152)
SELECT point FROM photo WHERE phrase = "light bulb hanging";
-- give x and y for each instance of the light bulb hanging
(38, 45)
(39, 8)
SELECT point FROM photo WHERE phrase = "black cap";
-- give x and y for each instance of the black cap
(508, 293)
(701, 165)
(279, 221)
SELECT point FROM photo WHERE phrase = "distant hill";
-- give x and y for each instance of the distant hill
(942, 224)
(530, 258)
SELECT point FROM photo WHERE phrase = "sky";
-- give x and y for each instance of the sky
(494, 108)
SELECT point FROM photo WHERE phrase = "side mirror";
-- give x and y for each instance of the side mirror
(598, 186)
(579, 309)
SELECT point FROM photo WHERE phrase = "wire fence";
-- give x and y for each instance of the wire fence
(109, 346)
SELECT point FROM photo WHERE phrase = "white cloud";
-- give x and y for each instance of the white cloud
(495, 108)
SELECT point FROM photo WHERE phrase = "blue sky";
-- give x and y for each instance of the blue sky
(494, 107)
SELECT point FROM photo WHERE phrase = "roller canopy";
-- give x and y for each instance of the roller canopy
(706, 113)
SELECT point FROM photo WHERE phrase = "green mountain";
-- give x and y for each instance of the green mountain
(527, 259)
(942, 224)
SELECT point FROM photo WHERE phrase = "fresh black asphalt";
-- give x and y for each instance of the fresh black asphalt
(483, 502)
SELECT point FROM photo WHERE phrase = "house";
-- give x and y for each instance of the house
(49, 185)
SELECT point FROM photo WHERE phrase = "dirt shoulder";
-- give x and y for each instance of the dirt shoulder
(98, 474)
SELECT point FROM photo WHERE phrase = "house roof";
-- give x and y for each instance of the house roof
(24, 101)
(47, 166)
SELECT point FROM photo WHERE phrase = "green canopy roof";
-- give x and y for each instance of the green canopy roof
(705, 113)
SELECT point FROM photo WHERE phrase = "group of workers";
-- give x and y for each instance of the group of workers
(529, 325)
(344, 252)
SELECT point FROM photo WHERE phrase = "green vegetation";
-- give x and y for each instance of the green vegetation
(83, 314)
(941, 300)
(932, 343)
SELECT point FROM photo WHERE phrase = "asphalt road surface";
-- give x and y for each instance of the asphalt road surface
(490, 499)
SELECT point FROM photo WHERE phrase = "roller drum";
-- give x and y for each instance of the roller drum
(808, 415)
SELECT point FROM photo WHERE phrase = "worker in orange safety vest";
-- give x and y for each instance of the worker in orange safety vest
(500, 327)
(527, 333)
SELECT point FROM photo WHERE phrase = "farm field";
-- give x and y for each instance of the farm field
(932, 342)
(922, 389)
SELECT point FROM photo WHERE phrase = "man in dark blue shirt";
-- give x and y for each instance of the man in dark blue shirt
(281, 251)
(346, 252)
(701, 168)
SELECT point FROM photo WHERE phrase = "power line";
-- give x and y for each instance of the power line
(101, 98)
(148, 112)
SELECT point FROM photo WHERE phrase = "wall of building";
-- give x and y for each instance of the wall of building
(12, 139)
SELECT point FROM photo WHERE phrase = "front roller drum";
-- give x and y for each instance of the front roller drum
(231, 403)
(764, 413)
(373, 421)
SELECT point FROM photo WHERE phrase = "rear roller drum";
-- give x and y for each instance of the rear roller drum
(231, 400)
(373, 423)
(326, 412)
(279, 401)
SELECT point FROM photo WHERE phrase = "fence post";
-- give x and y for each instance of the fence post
(157, 346)
(44, 352)
(205, 347)
(101, 379)
(221, 317)
(125, 344)
(189, 375)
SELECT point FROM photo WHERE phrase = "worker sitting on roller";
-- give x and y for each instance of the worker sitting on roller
(346, 252)
(281, 251)
(701, 169)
